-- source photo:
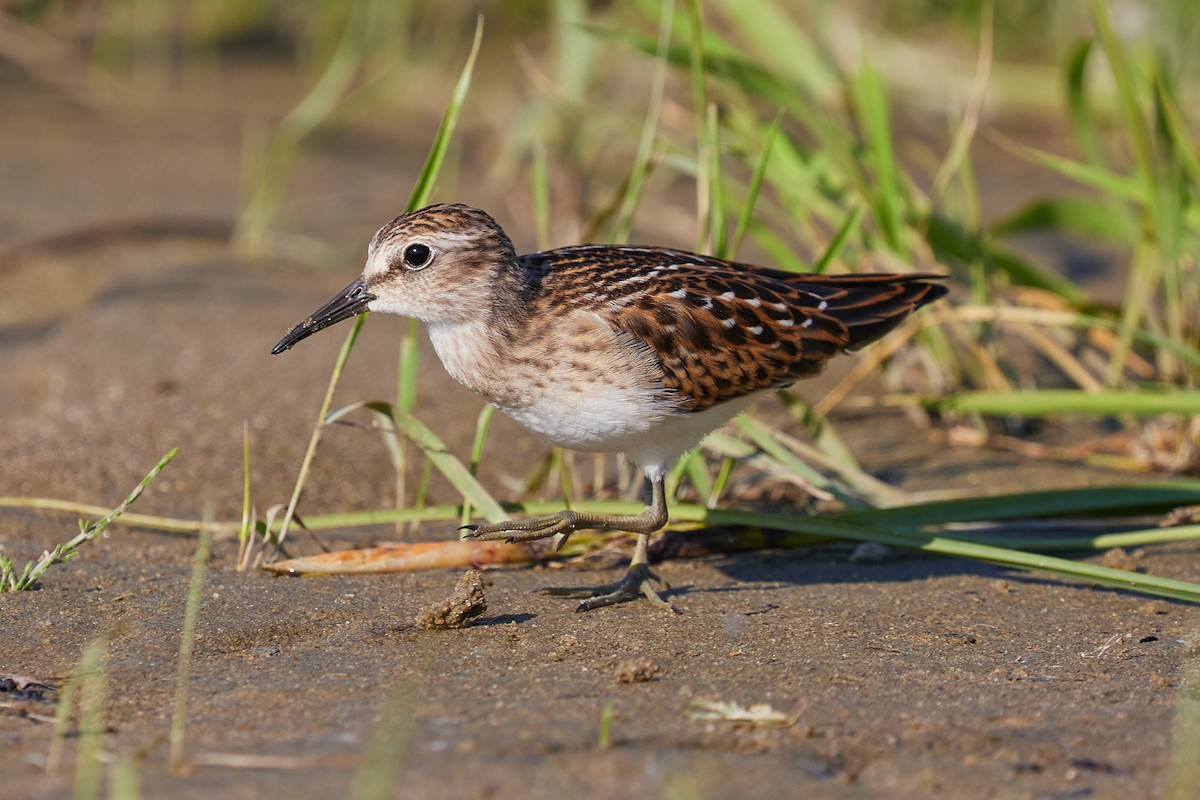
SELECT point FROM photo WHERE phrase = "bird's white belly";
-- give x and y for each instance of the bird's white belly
(601, 399)
(591, 416)
(603, 422)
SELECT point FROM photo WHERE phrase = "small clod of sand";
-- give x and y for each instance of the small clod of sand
(464, 604)
(636, 670)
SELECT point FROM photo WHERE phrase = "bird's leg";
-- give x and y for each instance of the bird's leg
(637, 582)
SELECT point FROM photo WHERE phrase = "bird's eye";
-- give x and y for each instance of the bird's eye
(417, 256)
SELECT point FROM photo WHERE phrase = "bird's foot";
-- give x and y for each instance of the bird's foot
(526, 530)
(637, 582)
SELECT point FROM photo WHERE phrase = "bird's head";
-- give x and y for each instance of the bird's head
(440, 265)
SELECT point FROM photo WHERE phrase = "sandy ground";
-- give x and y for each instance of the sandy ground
(914, 677)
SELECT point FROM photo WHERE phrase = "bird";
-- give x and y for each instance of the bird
(611, 348)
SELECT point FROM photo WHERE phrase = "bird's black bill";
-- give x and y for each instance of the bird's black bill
(349, 302)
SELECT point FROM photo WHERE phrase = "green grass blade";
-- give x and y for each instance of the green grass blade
(1104, 541)
(1083, 122)
(951, 243)
(1183, 772)
(457, 473)
(766, 440)
(1134, 123)
(871, 108)
(784, 37)
(848, 227)
(1142, 499)
(1068, 401)
(423, 188)
(1104, 576)
(718, 242)
(1099, 218)
(756, 182)
(1108, 183)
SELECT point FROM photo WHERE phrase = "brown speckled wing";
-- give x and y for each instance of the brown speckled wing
(722, 330)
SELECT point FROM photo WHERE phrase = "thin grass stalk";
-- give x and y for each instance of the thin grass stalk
(378, 776)
(697, 474)
(644, 158)
(253, 224)
(1183, 771)
(407, 371)
(566, 476)
(483, 424)
(246, 527)
(420, 496)
(720, 482)
(1062, 358)
(960, 147)
(33, 571)
(718, 243)
(187, 642)
(1083, 122)
(1147, 264)
(314, 439)
(756, 182)
(93, 696)
(705, 174)
(540, 190)
(1069, 319)
(841, 236)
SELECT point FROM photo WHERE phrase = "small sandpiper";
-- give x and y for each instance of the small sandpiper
(613, 349)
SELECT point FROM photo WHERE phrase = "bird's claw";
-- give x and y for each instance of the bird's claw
(637, 582)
